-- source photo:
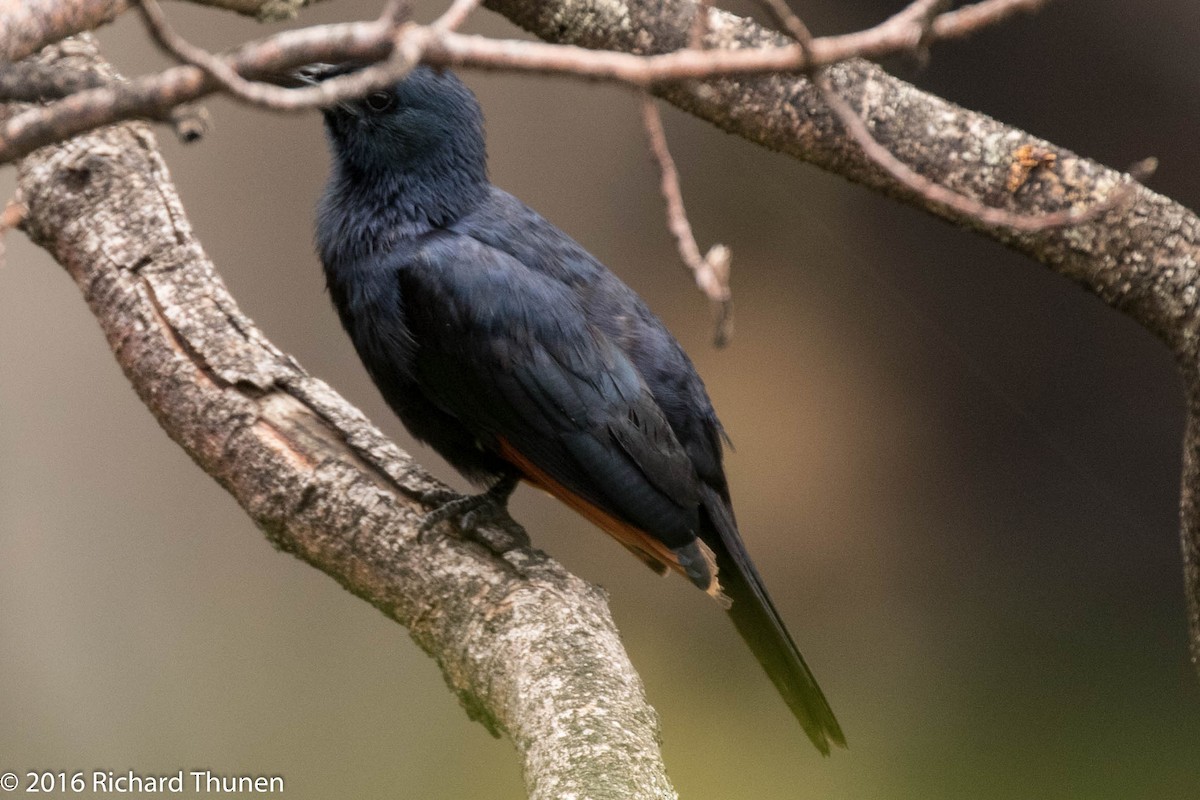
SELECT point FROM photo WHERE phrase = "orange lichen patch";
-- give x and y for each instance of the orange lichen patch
(1026, 159)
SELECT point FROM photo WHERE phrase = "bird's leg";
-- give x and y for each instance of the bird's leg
(473, 510)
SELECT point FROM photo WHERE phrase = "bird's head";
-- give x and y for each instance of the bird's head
(430, 119)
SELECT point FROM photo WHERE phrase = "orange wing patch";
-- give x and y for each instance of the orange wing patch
(651, 551)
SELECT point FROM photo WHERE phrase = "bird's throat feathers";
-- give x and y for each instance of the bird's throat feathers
(405, 162)
(365, 212)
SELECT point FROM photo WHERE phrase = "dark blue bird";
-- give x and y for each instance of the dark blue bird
(516, 355)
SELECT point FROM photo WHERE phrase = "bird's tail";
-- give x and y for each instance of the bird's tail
(758, 622)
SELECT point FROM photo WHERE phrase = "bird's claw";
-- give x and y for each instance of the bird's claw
(477, 512)
(468, 509)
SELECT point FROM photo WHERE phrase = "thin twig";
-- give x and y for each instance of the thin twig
(968, 19)
(700, 24)
(711, 271)
(397, 49)
(917, 17)
(913, 25)
(174, 44)
(272, 96)
(190, 121)
(789, 21)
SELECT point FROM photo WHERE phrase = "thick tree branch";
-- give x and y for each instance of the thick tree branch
(529, 649)
(921, 13)
(1189, 507)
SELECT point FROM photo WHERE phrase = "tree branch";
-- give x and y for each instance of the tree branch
(529, 649)
(970, 153)
(711, 270)
(29, 25)
(398, 46)
(1141, 258)
(921, 13)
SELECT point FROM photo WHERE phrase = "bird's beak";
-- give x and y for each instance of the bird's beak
(313, 74)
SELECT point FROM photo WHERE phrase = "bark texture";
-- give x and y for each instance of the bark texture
(1140, 258)
(529, 649)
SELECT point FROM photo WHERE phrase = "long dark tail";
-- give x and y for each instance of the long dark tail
(758, 622)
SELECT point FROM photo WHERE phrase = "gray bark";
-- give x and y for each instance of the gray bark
(530, 650)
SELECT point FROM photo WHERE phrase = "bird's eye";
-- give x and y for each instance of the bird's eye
(380, 101)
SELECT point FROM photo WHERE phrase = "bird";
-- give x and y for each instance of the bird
(516, 355)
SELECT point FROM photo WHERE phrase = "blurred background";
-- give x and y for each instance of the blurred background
(957, 471)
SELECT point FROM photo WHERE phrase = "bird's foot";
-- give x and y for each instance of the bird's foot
(471, 509)
(482, 517)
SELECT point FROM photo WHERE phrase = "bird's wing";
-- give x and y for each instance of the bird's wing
(509, 353)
